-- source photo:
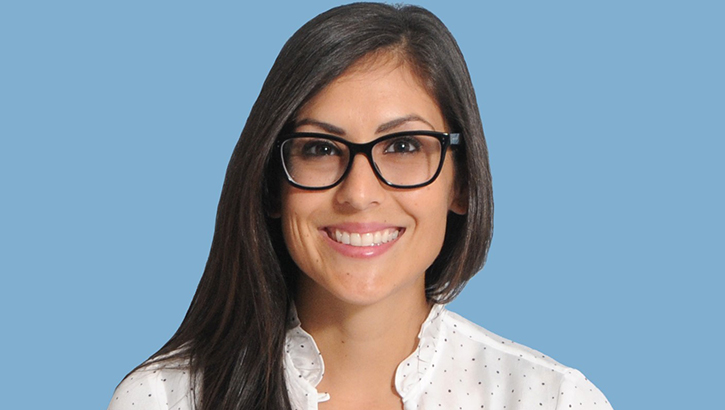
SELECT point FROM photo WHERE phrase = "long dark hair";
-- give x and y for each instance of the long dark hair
(234, 332)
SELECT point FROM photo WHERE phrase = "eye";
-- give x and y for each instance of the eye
(402, 145)
(320, 148)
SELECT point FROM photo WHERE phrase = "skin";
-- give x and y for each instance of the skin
(365, 310)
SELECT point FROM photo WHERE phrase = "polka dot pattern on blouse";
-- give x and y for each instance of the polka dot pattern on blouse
(154, 387)
(456, 365)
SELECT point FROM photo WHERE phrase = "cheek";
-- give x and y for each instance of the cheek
(295, 237)
(430, 211)
(440, 195)
(298, 228)
(431, 207)
(435, 223)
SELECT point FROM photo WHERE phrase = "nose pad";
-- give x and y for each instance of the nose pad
(361, 188)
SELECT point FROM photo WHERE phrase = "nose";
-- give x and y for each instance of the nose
(361, 188)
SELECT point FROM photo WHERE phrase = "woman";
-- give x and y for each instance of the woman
(357, 201)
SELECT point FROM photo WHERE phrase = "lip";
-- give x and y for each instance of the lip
(356, 227)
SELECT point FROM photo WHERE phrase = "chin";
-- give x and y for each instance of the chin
(356, 292)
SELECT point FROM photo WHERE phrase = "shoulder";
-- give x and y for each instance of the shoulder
(155, 386)
(460, 330)
(502, 368)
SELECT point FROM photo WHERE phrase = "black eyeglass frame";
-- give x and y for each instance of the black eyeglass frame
(446, 140)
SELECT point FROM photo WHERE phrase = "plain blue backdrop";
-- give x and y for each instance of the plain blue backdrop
(604, 122)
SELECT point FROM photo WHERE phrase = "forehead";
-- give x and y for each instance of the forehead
(378, 88)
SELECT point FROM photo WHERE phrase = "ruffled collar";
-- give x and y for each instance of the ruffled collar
(413, 372)
(305, 368)
(303, 352)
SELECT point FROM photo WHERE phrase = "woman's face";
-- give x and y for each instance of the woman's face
(370, 100)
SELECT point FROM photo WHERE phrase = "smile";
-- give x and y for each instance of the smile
(376, 238)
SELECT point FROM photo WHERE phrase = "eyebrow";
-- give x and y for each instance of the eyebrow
(325, 126)
(400, 121)
(332, 129)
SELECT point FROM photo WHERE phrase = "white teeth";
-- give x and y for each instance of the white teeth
(366, 239)
(355, 239)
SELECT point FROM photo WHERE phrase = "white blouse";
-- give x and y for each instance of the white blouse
(457, 365)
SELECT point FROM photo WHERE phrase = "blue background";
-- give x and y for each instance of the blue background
(604, 121)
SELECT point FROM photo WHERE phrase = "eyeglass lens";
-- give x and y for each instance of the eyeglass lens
(407, 160)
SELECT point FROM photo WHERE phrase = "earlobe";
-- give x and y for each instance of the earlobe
(459, 205)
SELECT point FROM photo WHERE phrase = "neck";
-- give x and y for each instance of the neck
(361, 345)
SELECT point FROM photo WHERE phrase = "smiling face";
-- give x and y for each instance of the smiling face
(361, 241)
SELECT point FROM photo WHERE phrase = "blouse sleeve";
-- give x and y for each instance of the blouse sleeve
(153, 389)
(577, 392)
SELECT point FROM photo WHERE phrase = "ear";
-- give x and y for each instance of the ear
(459, 204)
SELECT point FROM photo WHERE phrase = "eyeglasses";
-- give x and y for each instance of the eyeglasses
(408, 159)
